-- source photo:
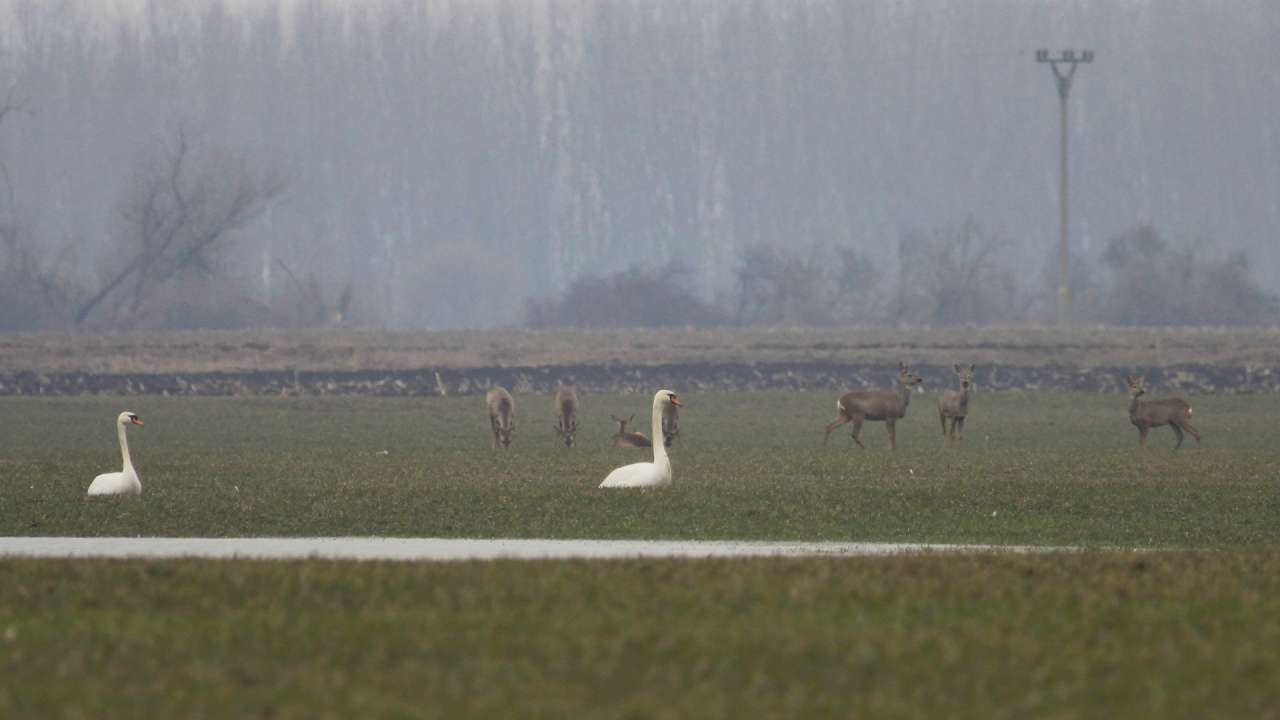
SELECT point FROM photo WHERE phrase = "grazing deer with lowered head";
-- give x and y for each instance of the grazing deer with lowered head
(670, 425)
(1146, 414)
(886, 407)
(502, 416)
(625, 439)
(566, 414)
(954, 405)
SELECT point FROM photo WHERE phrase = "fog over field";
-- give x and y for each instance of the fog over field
(440, 163)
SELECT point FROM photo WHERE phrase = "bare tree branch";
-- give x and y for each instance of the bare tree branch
(180, 214)
(8, 229)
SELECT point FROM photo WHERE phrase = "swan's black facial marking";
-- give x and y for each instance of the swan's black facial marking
(671, 397)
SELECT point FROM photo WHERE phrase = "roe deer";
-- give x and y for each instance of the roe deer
(883, 406)
(670, 425)
(1146, 414)
(566, 414)
(955, 405)
(622, 438)
(502, 415)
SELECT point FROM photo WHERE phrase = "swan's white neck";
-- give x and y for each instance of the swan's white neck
(124, 446)
(659, 446)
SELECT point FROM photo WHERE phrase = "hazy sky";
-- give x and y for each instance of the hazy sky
(457, 157)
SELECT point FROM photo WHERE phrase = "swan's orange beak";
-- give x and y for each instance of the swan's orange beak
(675, 400)
(136, 421)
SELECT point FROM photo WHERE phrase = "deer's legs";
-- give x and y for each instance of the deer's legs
(949, 432)
(1176, 431)
(945, 436)
(1142, 436)
(857, 430)
(893, 435)
(1194, 433)
(957, 429)
(840, 420)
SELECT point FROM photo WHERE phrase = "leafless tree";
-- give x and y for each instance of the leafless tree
(776, 287)
(1150, 281)
(632, 298)
(9, 223)
(35, 291)
(307, 305)
(955, 275)
(181, 212)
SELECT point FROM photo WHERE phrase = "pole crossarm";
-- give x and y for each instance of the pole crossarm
(1068, 58)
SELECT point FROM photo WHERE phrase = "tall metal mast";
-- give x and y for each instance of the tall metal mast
(1064, 69)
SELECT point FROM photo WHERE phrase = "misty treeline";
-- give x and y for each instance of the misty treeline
(447, 163)
(956, 275)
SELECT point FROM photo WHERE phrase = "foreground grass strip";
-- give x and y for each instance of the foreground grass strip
(1000, 636)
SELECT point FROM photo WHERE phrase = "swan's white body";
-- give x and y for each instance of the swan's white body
(126, 481)
(648, 474)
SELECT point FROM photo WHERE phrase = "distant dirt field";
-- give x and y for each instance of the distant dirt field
(375, 362)
(232, 351)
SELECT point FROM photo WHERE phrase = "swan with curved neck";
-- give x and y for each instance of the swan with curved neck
(648, 474)
(126, 481)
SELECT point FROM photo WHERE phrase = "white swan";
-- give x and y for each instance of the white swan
(656, 473)
(124, 482)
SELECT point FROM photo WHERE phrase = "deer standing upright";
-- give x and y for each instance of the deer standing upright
(566, 414)
(1146, 414)
(883, 406)
(954, 405)
(625, 439)
(502, 416)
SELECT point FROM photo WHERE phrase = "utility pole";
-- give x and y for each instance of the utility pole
(1068, 59)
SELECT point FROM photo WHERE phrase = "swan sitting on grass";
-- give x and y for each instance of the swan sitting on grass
(656, 473)
(124, 482)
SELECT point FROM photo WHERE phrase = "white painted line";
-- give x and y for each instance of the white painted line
(370, 548)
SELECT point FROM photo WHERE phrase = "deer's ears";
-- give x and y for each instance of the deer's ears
(956, 367)
(973, 368)
(902, 367)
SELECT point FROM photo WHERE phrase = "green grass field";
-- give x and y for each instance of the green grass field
(1035, 469)
(1094, 635)
(1186, 632)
